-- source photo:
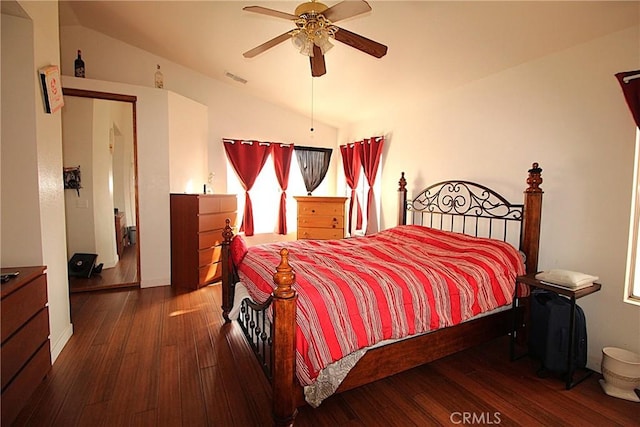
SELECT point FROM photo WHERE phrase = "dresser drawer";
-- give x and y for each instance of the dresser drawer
(315, 208)
(320, 221)
(25, 383)
(210, 273)
(209, 239)
(216, 204)
(209, 255)
(208, 222)
(21, 305)
(320, 233)
(20, 347)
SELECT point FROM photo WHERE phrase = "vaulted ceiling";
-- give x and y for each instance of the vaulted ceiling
(434, 47)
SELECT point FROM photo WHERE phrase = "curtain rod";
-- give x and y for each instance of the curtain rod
(627, 79)
(250, 142)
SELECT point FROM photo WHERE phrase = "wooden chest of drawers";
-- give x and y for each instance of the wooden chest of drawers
(25, 352)
(197, 221)
(321, 218)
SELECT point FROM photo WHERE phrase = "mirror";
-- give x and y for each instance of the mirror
(101, 206)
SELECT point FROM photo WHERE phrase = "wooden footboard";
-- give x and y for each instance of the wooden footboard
(385, 360)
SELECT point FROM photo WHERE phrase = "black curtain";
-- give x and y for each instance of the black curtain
(314, 164)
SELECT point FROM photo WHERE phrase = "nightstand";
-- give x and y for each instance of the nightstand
(572, 295)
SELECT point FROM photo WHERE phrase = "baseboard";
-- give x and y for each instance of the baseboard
(152, 283)
(56, 348)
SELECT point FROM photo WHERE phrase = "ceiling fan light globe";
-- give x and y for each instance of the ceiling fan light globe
(307, 49)
(324, 44)
(299, 40)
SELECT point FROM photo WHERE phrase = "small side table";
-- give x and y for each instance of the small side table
(573, 295)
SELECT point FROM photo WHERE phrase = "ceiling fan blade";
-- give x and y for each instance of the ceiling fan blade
(267, 45)
(318, 67)
(346, 9)
(270, 12)
(361, 43)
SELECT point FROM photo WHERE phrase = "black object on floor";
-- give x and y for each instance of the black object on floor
(82, 265)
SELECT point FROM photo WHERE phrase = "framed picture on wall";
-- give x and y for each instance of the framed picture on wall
(51, 88)
(72, 178)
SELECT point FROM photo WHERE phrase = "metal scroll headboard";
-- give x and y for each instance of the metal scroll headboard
(469, 208)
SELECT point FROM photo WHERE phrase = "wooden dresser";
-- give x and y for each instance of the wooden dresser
(197, 221)
(321, 218)
(25, 352)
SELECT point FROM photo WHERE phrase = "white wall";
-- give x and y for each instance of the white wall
(20, 201)
(565, 111)
(188, 139)
(35, 145)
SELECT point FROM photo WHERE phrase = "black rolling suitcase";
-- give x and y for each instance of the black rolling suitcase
(549, 333)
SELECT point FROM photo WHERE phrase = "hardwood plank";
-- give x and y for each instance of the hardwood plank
(192, 402)
(169, 396)
(117, 328)
(93, 414)
(499, 393)
(202, 337)
(217, 407)
(229, 367)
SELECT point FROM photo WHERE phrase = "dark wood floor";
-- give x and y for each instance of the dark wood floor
(157, 357)
(123, 275)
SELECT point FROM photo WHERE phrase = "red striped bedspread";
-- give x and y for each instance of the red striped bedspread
(354, 293)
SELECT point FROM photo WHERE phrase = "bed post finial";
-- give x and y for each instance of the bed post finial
(284, 343)
(530, 242)
(402, 200)
(284, 277)
(402, 183)
(227, 232)
(534, 180)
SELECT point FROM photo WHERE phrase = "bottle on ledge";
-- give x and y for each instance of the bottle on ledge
(79, 65)
(159, 79)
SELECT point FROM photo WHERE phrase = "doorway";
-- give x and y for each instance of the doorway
(102, 220)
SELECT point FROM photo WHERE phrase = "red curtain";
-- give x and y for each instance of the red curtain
(370, 153)
(631, 89)
(351, 165)
(247, 159)
(282, 161)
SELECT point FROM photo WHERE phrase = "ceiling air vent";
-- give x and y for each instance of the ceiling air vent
(235, 78)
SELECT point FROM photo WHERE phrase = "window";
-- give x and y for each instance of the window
(632, 280)
(265, 196)
(362, 190)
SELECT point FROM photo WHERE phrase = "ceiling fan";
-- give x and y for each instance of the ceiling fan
(315, 25)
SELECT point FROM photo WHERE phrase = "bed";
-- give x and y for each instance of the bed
(284, 324)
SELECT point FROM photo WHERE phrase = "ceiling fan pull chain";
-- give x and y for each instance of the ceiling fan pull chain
(311, 104)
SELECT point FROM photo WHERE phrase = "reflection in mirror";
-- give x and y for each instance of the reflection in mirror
(99, 141)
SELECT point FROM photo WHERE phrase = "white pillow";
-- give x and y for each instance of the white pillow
(566, 277)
